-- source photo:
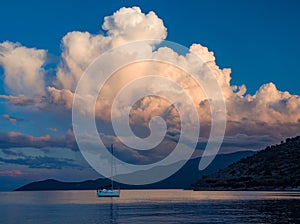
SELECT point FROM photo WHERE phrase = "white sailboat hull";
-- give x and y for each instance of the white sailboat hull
(108, 193)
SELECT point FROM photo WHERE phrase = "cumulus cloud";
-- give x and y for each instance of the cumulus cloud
(24, 74)
(62, 98)
(130, 24)
(81, 48)
(269, 112)
(268, 106)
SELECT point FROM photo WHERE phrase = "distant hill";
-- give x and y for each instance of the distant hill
(182, 179)
(275, 168)
(52, 184)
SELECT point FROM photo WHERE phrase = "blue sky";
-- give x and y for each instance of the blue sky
(258, 40)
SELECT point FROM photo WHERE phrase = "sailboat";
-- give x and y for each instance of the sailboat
(110, 192)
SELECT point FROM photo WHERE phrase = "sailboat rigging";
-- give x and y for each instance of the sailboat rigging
(110, 192)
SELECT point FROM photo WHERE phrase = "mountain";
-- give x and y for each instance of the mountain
(275, 168)
(182, 179)
(52, 184)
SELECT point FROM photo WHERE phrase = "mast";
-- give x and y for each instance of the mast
(112, 161)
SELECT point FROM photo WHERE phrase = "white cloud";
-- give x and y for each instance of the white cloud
(267, 110)
(130, 24)
(267, 105)
(63, 98)
(81, 48)
(24, 74)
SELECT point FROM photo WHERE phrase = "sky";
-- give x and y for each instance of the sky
(42, 58)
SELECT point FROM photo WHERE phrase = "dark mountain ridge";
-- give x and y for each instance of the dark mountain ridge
(277, 167)
(182, 179)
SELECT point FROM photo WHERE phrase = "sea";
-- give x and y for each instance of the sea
(150, 206)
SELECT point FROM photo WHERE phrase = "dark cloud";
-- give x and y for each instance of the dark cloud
(241, 142)
(245, 141)
(12, 119)
(42, 162)
(277, 131)
(21, 100)
(9, 152)
(16, 139)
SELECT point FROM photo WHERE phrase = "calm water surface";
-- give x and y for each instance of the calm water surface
(150, 206)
